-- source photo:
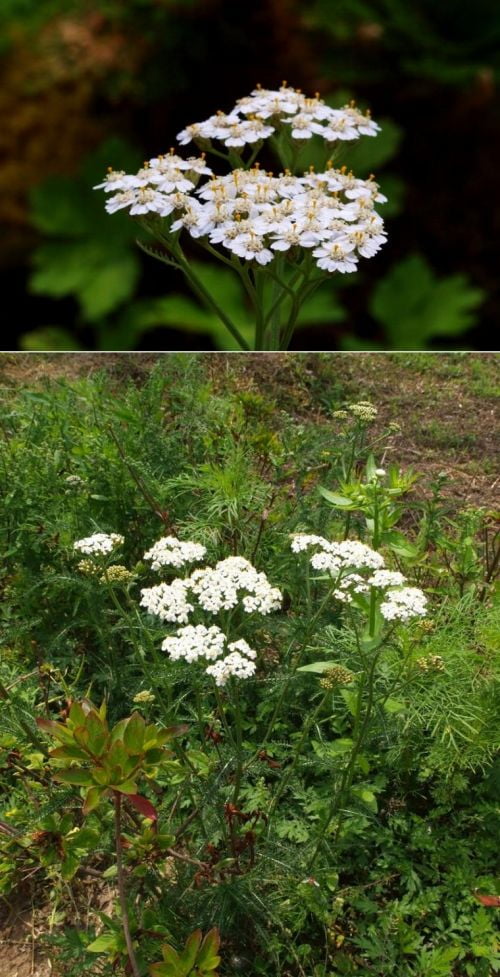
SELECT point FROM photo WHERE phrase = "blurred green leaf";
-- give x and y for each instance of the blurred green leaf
(413, 305)
(91, 255)
(48, 337)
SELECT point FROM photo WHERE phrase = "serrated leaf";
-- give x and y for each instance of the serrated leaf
(414, 306)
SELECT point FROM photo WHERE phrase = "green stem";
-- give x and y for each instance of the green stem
(348, 775)
(121, 886)
(203, 293)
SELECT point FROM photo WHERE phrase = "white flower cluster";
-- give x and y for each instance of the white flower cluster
(159, 187)
(340, 559)
(254, 214)
(401, 605)
(216, 588)
(173, 552)
(192, 643)
(195, 642)
(234, 664)
(220, 587)
(98, 544)
(168, 601)
(261, 113)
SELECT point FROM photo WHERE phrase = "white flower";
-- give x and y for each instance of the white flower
(192, 643)
(302, 541)
(99, 543)
(170, 551)
(234, 665)
(219, 588)
(168, 601)
(401, 605)
(336, 256)
(386, 578)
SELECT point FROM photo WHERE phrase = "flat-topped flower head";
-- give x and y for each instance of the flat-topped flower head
(172, 552)
(99, 544)
(357, 570)
(168, 601)
(233, 581)
(194, 642)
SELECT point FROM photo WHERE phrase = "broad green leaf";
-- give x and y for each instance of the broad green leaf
(92, 798)
(337, 500)
(188, 956)
(105, 943)
(109, 285)
(208, 958)
(413, 305)
(393, 706)
(133, 734)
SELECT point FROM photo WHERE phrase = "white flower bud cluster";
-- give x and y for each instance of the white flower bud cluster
(192, 643)
(339, 560)
(173, 552)
(264, 111)
(99, 544)
(363, 410)
(220, 588)
(168, 601)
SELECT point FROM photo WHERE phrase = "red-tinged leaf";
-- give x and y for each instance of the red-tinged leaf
(180, 730)
(55, 729)
(144, 806)
(488, 900)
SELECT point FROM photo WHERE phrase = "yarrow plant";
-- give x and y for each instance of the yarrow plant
(283, 233)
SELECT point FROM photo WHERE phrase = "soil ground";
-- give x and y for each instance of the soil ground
(446, 403)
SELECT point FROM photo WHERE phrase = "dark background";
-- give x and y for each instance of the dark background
(74, 75)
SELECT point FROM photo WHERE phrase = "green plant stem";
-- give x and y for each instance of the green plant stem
(203, 293)
(121, 886)
(286, 684)
(239, 736)
(348, 775)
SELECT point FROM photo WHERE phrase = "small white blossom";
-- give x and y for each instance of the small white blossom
(220, 588)
(401, 605)
(99, 543)
(386, 578)
(234, 665)
(168, 601)
(170, 551)
(192, 643)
